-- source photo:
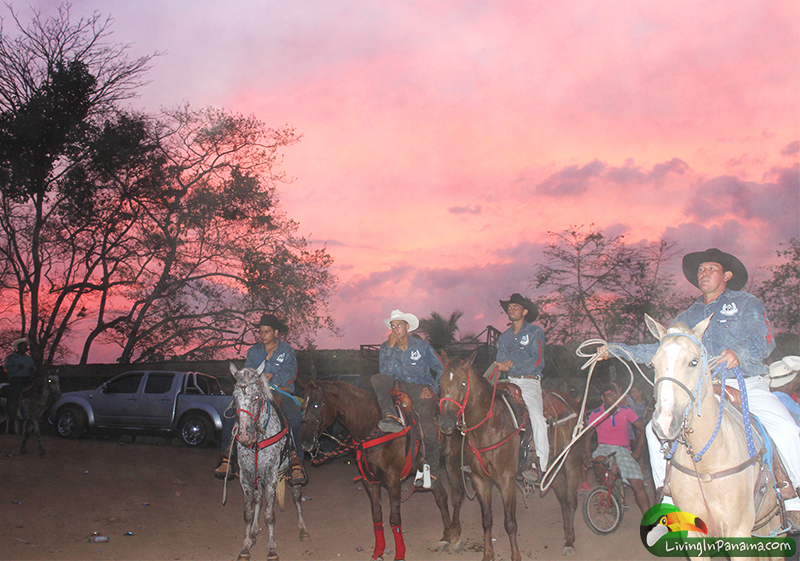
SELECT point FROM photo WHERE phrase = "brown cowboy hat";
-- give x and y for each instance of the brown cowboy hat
(517, 298)
(692, 261)
(271, 320)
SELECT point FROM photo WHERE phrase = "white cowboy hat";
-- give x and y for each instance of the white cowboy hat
(17, 342)
(783, 371)
(410, 319)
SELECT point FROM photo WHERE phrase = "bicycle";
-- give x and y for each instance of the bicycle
(605, 506)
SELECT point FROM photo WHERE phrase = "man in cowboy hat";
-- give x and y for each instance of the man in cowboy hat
(409, 361)
(739, 335)
(20, 369)
(520, 354)
(280, 370)
(783, 382)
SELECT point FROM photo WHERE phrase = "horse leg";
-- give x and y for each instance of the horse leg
(452, 525)
(483, 490)
(509, 493)
(393, 486)
(565, 486)
(374, 493)
(250, 520)
(25, 435)
(37, 430)
(297, 497)
(440, 496)
(268, 501)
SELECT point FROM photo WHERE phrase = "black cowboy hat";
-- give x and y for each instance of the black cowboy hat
(517, 298)
(692, 261)
(271, 320)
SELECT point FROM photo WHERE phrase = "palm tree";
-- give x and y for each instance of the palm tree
(438, 331)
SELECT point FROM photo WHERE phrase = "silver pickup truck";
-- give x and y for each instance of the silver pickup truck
(188, 404)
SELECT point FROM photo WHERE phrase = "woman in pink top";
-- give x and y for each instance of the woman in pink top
(612, 436)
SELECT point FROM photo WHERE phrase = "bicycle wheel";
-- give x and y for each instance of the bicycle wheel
(602, 511)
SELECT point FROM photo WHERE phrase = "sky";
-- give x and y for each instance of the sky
(443, 141)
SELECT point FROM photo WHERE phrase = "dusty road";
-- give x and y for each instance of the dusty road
(157, 500)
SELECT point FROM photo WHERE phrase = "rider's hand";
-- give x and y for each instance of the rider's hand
(602, 353)
(268, 376)
(728, 356)
(392, 339)
(504, 366)
(427, 393)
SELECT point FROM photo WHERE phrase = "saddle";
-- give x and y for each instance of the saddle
(782, 481)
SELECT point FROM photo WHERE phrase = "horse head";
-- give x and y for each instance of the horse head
(251, 397)
(455, 388)
(679, 364)
(317, 416)
(54, 387)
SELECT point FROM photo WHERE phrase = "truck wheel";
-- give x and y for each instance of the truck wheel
(195, 430)
(70, 422)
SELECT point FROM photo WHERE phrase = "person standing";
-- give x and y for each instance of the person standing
(21, 370)
(784, 383)
(409, 361)
(520, 353)
(739, 335)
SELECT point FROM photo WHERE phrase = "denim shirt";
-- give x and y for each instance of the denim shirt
(282, 363)
(413, 364)
(740, 323)
(19, 366)
(525, 349)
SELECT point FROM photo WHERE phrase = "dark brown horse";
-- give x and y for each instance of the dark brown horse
(383, 465)
(492, 443)
(35, 400)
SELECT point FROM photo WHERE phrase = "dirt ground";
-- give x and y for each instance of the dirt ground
(157, 500)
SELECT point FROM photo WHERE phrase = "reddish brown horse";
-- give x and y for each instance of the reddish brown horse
(492, 444)
(382, 465)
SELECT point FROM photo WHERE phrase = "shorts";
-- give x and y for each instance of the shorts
(628, 467)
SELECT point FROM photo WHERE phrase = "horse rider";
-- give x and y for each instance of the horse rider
(408, 361)
(784, 382)
(520, 353)
(613, 436)
(739, 334)
(280, 370)
(21, 370)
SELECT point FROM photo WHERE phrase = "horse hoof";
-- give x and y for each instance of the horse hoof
(457, 547)
(272, 556)
(244, 554)
(442, 545)
(305, 536)
(568, 551)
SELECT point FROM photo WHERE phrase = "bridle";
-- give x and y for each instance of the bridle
(461, 422)
(321, 408)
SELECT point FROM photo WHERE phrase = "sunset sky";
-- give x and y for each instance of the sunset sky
(443, 140)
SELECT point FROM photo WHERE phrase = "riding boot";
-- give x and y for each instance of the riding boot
(298, 473)
(534, 473)
(224, 468)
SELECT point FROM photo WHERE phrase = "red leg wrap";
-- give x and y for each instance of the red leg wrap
(380, 540)
(399, 544)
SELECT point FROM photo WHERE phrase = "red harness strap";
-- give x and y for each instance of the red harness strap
(363, 467)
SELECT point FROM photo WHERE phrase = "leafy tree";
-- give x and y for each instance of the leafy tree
(781, 293)
(57, 80)
(599, 286)
(162, 235)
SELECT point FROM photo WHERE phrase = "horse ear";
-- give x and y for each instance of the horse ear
(260, 369)
(701, 327)
(444, 357)
(471, 357)
(234, 370)
(655, 328)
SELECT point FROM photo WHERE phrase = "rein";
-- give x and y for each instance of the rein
(462, 423)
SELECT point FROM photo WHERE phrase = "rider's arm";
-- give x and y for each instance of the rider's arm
(532, 363)
(390, 361)
(755, 341)
(638, 445)
(284, 371)
(434, 362)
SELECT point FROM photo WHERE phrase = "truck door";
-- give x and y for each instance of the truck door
(118, 403)
(157, 402)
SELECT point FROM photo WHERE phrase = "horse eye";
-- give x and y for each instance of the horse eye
(693, 363)
(316, 406)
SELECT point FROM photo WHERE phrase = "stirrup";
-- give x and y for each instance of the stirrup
(423, 480)
(390, 424)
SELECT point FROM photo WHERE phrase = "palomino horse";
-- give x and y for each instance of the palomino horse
(263, 443)
(35, 401)
(492, 446)
(714, 476)
(381, 465)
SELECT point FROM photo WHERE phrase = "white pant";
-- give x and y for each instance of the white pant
(776, 420)
(532, 396)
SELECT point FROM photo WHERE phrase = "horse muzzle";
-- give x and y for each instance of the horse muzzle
(666, 424)
(447, 423)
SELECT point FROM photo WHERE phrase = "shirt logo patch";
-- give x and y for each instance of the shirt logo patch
(280, 358)
(525, 341)
(729, 309)
(416, 355)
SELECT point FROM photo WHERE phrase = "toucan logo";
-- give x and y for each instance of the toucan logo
(666, 519)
